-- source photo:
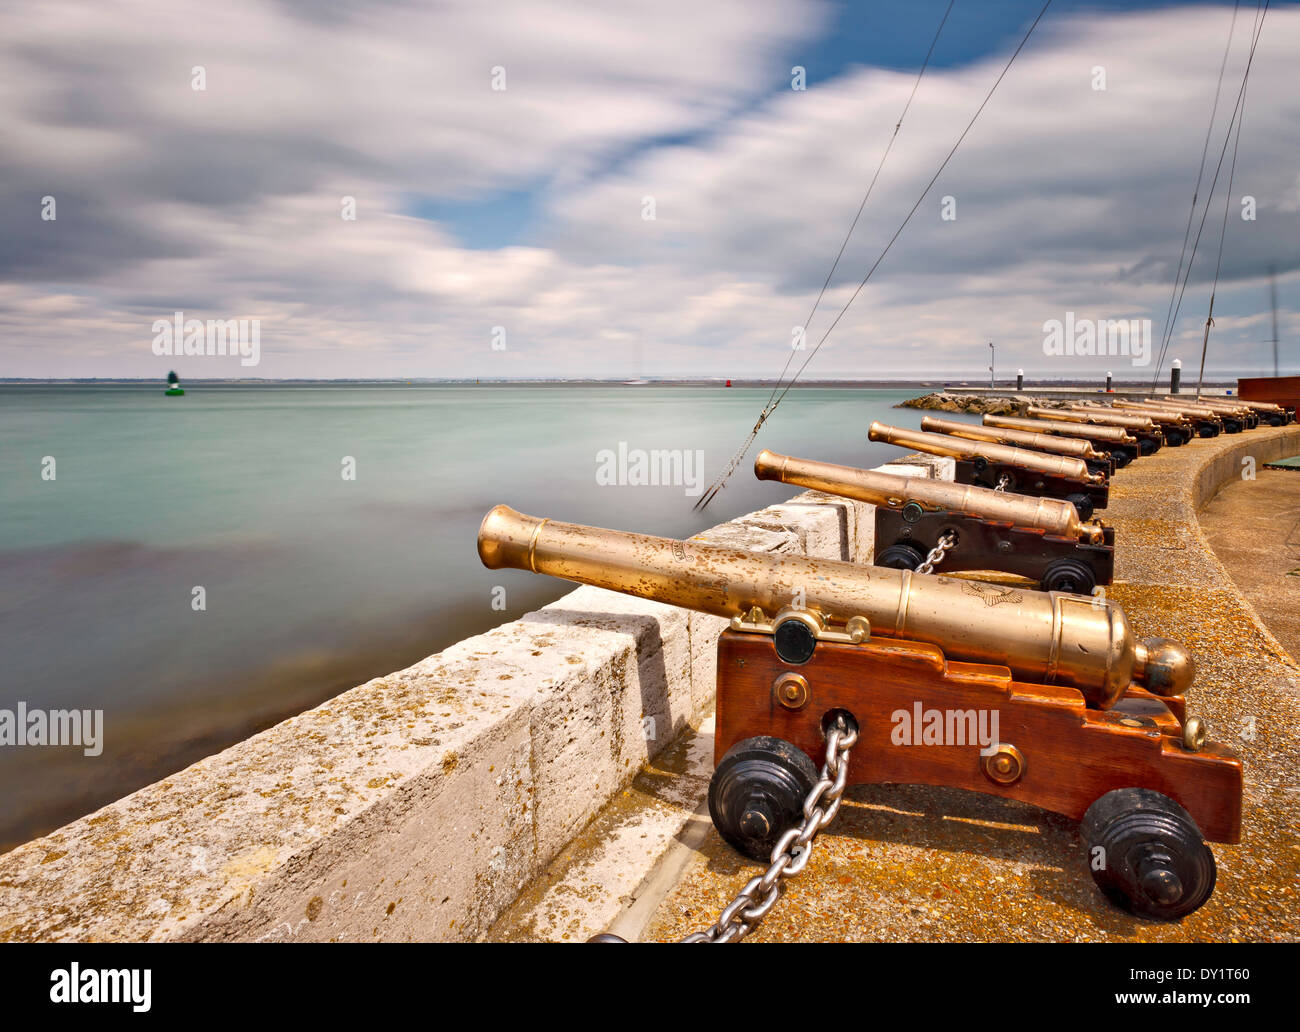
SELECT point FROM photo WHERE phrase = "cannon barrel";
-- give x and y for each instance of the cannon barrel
(1194, 414)
(893, 491)
(1077, 414)
(1269, 411)
(1212, 408)
(957, 448)
(1033, 440)
(1066, 428)
(1187, 408)
(1114, 417)
(1044, 637)
(1156, 413)
(1264, 406)
(1151, 406)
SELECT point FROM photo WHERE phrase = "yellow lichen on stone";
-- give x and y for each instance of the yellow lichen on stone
(248, 867)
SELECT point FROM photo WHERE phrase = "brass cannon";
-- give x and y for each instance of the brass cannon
(1039, 538)
(1097, 461)
(1202, 421)
(1231, 411)
(1232, 419)
(1148, 435)
(1271, 413)
(1114, 440)
(1009, 468)
(1178, 426)
(1091, 723)
(1248, 418)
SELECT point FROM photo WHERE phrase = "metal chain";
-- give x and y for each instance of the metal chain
(1003, 481)
(791, 852)
(937, 553)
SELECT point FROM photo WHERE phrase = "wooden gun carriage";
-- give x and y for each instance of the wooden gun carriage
(1091, 723)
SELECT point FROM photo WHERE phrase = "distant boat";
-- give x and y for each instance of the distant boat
(174, 388)
(728, 383)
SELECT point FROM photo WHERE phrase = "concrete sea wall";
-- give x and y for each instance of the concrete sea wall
(1228, 464)
(418, 805)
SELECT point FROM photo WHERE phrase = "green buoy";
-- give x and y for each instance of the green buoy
(174, 387)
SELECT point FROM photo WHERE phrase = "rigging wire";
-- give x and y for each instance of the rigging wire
(1223, 151)
(870, 186)
(1196, 191)
(768, 410)
(1227, 196)
(770, 407)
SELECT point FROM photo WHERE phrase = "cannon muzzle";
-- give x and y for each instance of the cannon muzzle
(1035, 441)
(893, 491)
(958, 448)
(1044, 637)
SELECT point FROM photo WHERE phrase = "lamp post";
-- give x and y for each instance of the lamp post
(993, 354)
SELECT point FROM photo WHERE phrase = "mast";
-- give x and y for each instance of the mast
(1272, 297)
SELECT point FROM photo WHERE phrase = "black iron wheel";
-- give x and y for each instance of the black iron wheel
(1069, 575)
(1121, 458)
(901, 557)
(1147, 854)
(1082, 504)
(757, 791)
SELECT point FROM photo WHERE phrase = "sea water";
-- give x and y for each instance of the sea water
(196, 568)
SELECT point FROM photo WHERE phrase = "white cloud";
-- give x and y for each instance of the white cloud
(226, 203)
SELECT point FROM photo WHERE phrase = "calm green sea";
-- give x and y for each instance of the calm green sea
(312, 582)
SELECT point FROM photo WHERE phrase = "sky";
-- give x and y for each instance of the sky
(504, 159)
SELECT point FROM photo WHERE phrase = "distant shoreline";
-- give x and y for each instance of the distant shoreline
(912, 384)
